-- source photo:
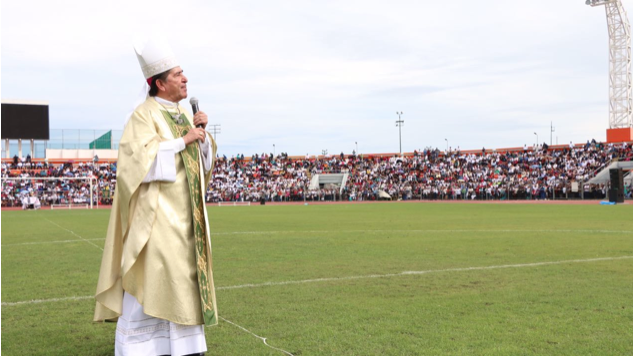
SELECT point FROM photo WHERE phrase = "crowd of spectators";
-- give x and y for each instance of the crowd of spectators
(57, 191)
(532, 173)
(273, 179)
(537, 173)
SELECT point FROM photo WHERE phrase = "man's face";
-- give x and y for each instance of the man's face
(175, 85)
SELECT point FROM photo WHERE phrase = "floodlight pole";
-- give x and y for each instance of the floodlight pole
(536, 139)
(619, 63)
(399, 123)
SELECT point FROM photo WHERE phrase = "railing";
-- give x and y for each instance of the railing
(84, 139)
(67, 139)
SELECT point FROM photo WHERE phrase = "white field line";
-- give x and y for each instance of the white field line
(339, 231)
(417, 231)
(51, 242)
(259, 337)
(37, 301)
(332, 279)
(420, 272)
(72, 232)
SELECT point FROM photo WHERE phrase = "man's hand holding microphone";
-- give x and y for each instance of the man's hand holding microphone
(200, 121)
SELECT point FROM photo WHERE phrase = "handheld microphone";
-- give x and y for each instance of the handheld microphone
(194, 107)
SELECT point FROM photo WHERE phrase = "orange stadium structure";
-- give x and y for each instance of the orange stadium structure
(624, 134)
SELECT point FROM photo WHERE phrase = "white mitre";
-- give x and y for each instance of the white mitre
(155, 57)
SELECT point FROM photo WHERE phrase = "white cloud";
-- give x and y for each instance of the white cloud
(324, 74)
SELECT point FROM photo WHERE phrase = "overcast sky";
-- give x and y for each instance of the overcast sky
(312, 75)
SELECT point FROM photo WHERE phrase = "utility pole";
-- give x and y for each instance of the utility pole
(215, 129)
(551, 129)
(399, 124)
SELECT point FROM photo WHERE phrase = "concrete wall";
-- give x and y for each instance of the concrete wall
(81, 155)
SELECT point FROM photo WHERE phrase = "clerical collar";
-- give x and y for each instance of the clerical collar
(174, 106)
(165, 102)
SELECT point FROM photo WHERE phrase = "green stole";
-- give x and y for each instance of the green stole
(190, 158)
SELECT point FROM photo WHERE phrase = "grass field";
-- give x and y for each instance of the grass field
(354, 279)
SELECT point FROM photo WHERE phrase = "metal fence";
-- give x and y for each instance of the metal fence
(67, 139)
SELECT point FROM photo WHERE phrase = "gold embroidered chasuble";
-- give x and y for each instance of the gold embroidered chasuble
(158, 247)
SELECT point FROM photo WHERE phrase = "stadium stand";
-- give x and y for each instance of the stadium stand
(539, 173)
(60, 191)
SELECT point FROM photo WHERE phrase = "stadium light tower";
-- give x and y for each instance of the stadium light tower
(620, 121)
(399, 123)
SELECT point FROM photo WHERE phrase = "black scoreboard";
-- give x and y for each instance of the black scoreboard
(25, 121)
